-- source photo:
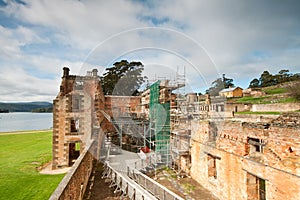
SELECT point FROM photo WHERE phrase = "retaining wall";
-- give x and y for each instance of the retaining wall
(74, 183)
(279, 107)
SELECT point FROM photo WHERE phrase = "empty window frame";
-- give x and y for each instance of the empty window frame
(79, 84)
(76, 103)
(212, 166)
(256, 145)
(256, 187)
(74, 123)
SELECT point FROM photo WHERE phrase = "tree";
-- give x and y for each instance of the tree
(218, 85)
(254, 83)
(227, 82)
(282, 76)
(123, 78)
(295, 90)
(266, 79)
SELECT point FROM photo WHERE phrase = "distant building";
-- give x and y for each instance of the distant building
(253, 92)
(231, 92)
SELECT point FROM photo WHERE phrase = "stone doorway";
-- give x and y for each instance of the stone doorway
(74, 152)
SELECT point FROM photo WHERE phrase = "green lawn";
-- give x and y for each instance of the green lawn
(276, 91)
(20, 155)
(253, 100)
(259, 113)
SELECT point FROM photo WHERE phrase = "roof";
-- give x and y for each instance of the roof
(230, 89)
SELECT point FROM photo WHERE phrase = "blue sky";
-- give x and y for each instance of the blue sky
(208, 38)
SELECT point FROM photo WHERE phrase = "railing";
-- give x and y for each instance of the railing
(124, 185)
(156, 189)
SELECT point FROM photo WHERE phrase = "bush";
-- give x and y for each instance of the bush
(295, 91)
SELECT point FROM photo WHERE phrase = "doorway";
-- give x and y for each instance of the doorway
(74, 152)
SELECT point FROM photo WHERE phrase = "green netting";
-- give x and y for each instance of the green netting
(154, 99)
(160, 121)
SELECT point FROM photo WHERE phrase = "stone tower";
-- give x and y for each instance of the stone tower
(76, 116)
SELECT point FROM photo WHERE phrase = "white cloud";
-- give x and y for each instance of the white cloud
(241, 38)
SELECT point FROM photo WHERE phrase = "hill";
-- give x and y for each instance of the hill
(280, 93)
(24, 106)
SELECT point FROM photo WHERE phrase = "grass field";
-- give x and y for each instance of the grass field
(20, 155)
(259, 113)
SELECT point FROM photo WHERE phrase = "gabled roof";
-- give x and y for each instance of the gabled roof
(230, 89)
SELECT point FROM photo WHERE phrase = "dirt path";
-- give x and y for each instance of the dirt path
(97, 188)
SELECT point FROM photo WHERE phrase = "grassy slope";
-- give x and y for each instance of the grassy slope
(20, 154)
(274, 94)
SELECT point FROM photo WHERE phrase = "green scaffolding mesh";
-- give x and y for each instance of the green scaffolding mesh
(160, 122)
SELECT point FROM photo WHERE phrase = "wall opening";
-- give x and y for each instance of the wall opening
(256, 145)
(76, 103)
(256, 187)
(74, 152)
(212, 166)
(74, 125)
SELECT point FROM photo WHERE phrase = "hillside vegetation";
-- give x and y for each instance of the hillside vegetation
(25, 106)
(288, 92)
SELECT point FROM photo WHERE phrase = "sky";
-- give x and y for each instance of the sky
(200, 39)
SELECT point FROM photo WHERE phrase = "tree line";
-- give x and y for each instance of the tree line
(267, 79)
(125, 79)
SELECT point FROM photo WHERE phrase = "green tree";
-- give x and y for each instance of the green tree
(254, 83)
(282, 76)
(228, 82)
(123, 78)
(266, 79)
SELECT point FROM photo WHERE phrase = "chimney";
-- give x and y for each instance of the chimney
(94, 72)
(88, 73)
(66, 71)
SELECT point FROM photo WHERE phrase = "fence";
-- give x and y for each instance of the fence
(124, 185)
(156, 189)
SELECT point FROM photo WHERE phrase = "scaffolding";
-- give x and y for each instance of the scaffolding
(160, 124)
(179, 102)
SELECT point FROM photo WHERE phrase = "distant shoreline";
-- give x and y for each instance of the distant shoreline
(25, 132)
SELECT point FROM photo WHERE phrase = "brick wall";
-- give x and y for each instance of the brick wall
(74, 183)
(225, 166)
(278, 107)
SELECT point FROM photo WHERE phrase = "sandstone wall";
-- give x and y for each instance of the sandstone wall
(278, 164)
(74, 183)
(280, 107)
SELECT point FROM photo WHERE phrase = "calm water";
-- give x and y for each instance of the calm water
(20, 121)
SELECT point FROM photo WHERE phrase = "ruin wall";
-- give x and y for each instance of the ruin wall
(234, 164)
(75, 182)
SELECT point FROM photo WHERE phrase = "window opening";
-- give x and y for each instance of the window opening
(74, 125)
(256, 187)
(256, 145)
(212, 168)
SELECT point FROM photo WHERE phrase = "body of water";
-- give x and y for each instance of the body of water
(20, 121)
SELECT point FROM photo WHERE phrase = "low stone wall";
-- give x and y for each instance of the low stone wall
(279, 107)
(254, 117)
(74, 183)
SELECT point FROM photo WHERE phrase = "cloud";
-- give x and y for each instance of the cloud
(240, 39)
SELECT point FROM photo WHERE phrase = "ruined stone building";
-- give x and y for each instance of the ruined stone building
(234, 157)
(248, 160)
(77, 116)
